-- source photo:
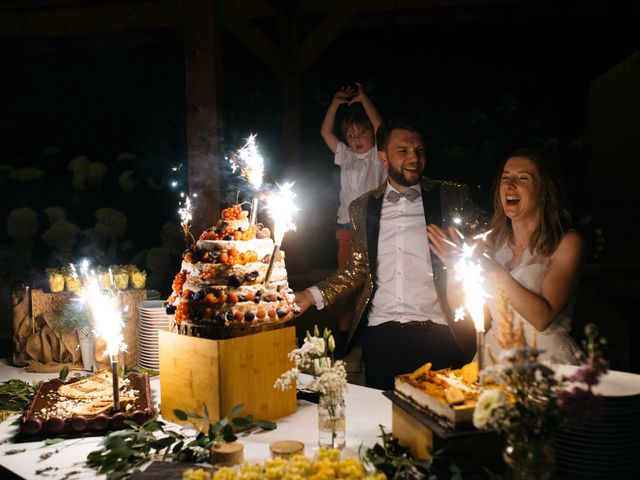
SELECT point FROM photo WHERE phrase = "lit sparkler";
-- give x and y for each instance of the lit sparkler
(282, 209)
(107, 321)
(470, 273)
(251, 165)
(186, 215)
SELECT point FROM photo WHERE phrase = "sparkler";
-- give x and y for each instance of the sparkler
(186, 215)
(281, 208)
(251, 165)
(107, 321)
(470, 273)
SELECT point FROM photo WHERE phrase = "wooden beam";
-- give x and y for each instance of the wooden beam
(203, 75)
(39, 22)
(321, 37)
(257, 42)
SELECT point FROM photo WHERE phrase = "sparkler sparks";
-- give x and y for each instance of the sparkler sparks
(251, 165)
(106, 317)
(250, 162)
(186, 215)
(282, 209)
(470, 273)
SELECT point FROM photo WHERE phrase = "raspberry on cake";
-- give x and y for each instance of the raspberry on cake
(221, 281)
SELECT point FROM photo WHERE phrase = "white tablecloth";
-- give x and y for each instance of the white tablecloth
(366, 408)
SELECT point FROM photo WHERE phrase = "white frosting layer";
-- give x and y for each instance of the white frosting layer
(195, 270)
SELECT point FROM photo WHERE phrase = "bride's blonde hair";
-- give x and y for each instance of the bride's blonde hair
(554, 220)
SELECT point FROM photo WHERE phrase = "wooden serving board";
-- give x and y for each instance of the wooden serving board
(424, 435)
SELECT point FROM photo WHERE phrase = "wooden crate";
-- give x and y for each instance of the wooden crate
(424, 436)
(223, 373)
(36, 342)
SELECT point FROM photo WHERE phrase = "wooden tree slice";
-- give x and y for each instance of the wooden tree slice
(227, 453)
(286, 448)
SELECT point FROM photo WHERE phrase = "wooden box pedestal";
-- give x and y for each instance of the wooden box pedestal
(223, 373)
(424, 436)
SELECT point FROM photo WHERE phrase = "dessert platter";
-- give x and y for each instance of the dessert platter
(221, 291)
(447, 396)
(85, 406)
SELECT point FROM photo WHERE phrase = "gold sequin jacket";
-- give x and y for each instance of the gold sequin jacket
(443, 201)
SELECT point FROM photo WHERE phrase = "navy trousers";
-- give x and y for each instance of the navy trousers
(393, 348)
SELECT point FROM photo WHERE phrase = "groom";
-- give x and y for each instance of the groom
(401, 309)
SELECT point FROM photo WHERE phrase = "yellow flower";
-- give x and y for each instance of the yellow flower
(199, 474)
(224, 473)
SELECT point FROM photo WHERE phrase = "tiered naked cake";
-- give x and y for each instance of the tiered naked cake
(221, 296)
(221, 285)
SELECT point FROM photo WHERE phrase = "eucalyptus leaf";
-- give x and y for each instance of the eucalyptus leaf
(235, 410)
(266, 425)
(178, 446)
(180, 414)
(64, 373)
(130, 424)
(230, 437)
(53, 441)
(241, 422)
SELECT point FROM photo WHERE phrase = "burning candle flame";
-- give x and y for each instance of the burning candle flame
(282, 209)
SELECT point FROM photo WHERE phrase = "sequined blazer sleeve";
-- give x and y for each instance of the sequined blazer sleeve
(355, 273)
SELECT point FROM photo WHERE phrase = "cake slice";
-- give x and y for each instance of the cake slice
(95, 386)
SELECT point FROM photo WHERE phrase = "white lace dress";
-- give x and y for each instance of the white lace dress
(557, 345)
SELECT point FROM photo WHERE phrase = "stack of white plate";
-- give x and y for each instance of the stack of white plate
(607, 444)
(151, 319)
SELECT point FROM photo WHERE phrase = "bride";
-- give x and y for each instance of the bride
(536, 259)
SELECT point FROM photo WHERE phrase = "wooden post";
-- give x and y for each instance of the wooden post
(203, 82)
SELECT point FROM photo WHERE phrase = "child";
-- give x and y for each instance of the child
(361, 170)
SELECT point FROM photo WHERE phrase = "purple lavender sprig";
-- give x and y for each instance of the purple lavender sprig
(578, 403)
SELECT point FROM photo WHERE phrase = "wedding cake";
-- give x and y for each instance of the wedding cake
(221, 284)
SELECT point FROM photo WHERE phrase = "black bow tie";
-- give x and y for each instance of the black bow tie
(409, 194)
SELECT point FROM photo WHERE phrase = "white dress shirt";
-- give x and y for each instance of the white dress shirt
(359, 173)
(405, 288)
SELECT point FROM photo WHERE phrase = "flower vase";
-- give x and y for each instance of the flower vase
(331, 421)
(529, 460)
(85, 339)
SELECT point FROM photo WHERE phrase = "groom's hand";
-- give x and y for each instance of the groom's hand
(304, 300)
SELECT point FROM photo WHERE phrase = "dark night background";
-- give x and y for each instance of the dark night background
(481, 82)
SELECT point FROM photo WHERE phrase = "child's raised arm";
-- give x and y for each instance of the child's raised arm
(369, 108)
(326, 130)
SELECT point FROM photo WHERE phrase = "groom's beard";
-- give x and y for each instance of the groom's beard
(401, 179)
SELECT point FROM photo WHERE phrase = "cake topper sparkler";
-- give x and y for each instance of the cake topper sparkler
(186, 215)
(282, 209)
(251, 165)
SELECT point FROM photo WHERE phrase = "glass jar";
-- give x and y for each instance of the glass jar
(528, 460)
(331, 421)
